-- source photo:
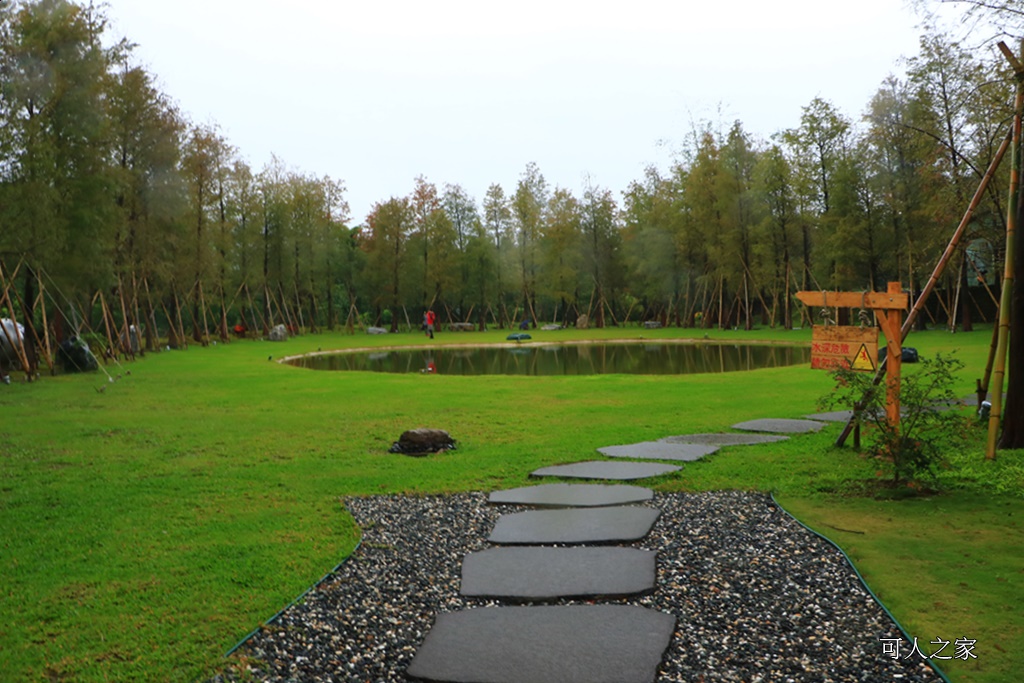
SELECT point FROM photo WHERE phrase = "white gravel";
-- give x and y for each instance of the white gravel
(757, 597)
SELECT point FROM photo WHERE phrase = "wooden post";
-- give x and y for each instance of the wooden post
(891, 322)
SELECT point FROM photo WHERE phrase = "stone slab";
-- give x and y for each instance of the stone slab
(542, 573)
(725, 439)
(573, 495)
(659, 450)
(547, 644)
(781, 426)
(620, 524)
(604, 469)
(834, 416)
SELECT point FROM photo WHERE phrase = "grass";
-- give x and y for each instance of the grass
(149, 527)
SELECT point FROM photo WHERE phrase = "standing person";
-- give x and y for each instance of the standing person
(431, 319)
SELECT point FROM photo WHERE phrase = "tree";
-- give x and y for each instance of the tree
(559, 252)
(528, 207)
(497, 223)
(205, 167)
(462, 214)
(774, 185)
(389, 226)
(653, 244)
(601, 242)
(145, 133)
(58, 201)
(817, 145)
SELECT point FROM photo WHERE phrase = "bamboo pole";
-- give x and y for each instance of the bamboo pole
(47, 347)
(17, 343)
(137, 313)
(956, 299)
(922, 298)
(995, 413)
(982, 384)
(126, 339)
(180, 332)
(29, 324)
(107, 320)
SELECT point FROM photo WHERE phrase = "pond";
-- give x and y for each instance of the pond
(570, 359)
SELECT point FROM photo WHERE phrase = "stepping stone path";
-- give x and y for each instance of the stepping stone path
(835, 416)
(541, 573)
(659, 450)
(603, 469)
(573, 495)
(592, 643)
(595, 525)
(783, 426)
(724, 439)
(549, 644)
(558, 644)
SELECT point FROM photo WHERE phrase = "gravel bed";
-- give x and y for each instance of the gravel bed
(757, 597)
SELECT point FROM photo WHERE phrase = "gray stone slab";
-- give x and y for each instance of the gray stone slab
(620, 524)
(548, 644)
(659, 450)
(834, 416)
(725, 439)
(573, 495)
(604, 469)
(542, 573)
(781, 426)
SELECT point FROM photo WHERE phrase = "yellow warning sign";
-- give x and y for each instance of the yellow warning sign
(838, 346)
(863, 360)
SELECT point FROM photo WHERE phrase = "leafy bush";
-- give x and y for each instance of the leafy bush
(930, 425)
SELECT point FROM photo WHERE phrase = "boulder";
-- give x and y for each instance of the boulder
(376, 330)
(423, 441)
(74, 356)
(278, 333)
(582, 322)
(12, 338)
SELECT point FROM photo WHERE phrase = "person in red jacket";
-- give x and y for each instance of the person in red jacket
(431, 319)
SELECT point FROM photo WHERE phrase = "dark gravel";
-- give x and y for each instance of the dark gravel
(757, 597)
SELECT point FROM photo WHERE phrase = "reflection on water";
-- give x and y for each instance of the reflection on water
(579, 359)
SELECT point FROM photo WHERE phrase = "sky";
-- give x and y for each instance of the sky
(377, 92)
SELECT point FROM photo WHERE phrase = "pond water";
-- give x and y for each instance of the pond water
(575, 359)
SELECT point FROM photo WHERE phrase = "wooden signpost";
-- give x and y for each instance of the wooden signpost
(888, 307)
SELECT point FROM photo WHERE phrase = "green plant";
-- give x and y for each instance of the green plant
(929, 424)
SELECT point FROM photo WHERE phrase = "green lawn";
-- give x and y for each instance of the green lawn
(149, 527)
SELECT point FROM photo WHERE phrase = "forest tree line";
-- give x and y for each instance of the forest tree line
(118, 206)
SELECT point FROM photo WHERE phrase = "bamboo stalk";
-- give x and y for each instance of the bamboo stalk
(47, 347)
(1006, 295)
(16, 343)
(126, 340)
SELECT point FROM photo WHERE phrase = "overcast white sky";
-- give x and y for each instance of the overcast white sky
(377, 92)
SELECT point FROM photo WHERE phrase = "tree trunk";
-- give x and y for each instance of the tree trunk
(1013, 410)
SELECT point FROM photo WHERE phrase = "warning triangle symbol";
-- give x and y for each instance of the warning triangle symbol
(863, 360)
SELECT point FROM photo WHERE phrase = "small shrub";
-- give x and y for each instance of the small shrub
(930, 425)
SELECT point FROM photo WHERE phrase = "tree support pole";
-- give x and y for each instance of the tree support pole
(922, 298)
